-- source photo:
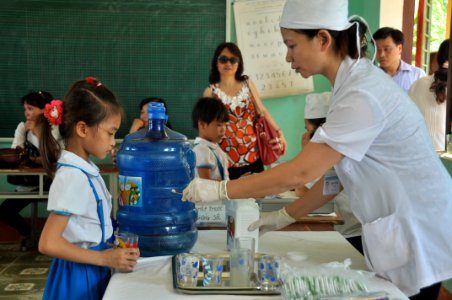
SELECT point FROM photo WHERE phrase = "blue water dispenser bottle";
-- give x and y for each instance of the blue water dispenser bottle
(155, 165)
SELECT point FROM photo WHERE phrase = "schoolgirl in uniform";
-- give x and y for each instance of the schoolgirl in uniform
(79, 223)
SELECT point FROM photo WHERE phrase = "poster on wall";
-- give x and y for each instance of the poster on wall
(263, 50)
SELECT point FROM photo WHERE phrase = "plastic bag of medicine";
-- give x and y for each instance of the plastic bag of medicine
(333, 279)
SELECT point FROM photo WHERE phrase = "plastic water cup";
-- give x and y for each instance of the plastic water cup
(187, 265)
(126, 240)
(268, 272)
(246, 242)
(239, 267)
(212, 268)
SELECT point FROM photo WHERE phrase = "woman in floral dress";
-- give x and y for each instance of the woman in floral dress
(240, 96)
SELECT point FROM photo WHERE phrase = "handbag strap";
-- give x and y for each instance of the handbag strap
(256, 107)
(29, 147)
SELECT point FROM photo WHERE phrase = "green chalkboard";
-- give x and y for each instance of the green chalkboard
(137, 48)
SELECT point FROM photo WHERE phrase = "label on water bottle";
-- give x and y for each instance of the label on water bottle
(130, 188)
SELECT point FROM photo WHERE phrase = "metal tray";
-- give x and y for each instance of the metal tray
(253, 289)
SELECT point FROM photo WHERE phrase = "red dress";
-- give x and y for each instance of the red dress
(240, 139)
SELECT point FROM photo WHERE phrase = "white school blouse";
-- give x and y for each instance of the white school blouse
(71, 194)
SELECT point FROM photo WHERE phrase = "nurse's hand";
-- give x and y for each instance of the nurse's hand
(205, 190)
(272, 221)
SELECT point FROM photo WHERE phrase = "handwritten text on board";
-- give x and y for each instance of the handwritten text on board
(263, 51)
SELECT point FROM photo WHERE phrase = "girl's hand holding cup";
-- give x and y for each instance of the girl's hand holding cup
(127, 251)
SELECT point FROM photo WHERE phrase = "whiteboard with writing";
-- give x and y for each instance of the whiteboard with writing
(263, 50)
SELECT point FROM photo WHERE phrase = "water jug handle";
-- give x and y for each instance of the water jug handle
(191, 160)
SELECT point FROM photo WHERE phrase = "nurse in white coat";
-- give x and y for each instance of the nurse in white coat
(376, 139)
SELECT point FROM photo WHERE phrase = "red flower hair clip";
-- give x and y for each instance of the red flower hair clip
(54, 112)
(93, 81)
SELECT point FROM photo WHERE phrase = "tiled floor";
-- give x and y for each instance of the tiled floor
(22, 273)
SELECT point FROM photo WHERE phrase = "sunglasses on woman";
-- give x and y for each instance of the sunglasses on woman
(224, 59)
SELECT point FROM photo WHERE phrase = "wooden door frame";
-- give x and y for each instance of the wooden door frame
(407, 29)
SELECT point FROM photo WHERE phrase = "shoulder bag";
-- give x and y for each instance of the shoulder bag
(26, 180)
(265, 132)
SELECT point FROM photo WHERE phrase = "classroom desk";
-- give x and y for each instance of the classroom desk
(316, 223)
(108, 170)
(322, 219)
(152, 277)
(308, 223)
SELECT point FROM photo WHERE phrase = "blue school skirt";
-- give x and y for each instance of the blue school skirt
(70, 280)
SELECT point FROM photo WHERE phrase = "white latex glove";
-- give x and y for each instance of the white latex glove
(205, 190)
(272, 221)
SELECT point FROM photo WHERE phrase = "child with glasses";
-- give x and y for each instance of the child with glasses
(236, 91)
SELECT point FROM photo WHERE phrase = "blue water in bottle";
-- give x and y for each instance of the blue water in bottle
(153, 164)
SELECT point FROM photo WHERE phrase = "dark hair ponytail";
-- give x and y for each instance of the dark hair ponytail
(87, 100)
(49, 147)
(439, 83)
(345, 41)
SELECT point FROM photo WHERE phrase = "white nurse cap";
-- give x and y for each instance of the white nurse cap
(317, 105)
(315, 14)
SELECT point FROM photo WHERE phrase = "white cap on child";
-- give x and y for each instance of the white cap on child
(317, 105)
(315, 14)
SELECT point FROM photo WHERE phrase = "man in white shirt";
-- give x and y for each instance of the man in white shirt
(389, 44)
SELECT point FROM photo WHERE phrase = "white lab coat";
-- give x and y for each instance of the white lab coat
(398, 187)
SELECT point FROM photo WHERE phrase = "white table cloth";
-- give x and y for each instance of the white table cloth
(152, 277)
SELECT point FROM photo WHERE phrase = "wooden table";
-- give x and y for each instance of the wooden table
(308, 223)
(108, 170)
(316, 223)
